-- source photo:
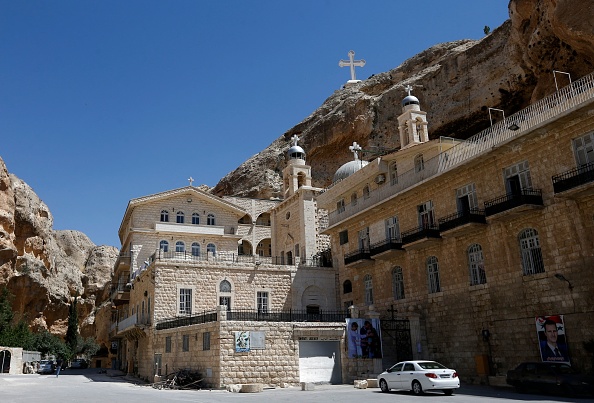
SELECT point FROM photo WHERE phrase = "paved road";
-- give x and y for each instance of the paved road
(89, 386)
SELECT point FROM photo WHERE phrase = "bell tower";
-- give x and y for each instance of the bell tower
(296, 174)
(412, 123)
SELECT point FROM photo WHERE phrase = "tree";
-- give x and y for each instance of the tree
(487, 29)
(72, 335)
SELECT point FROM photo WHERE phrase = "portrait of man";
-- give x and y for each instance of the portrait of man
(551, 334)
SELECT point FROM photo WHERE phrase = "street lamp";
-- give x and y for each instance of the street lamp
(561, 277)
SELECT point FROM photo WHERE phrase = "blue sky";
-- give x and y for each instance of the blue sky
(104, 101)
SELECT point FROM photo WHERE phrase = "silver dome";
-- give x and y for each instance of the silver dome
(348, 169)
(296, 152)
(410, 100)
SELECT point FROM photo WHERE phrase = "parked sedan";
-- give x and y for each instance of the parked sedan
(79, 363)
(550, 377)
(46, 367)
(419, 376)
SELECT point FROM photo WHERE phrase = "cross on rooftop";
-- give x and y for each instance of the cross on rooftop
(355, 148)
(352, 63)
(190, 179)
(408, 89)
(295, 139)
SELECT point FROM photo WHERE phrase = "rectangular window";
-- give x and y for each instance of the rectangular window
(186, 342)
(185, 301)
(343, 237)
(466, 198)
(340, 206)
(517, 177)
(364, 239)
(158, 364)
(206, 341)
(168, 344)
(392, 228)
(262, 301)
(426, 216)
(584, 149)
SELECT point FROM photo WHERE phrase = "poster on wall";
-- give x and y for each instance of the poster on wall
(242, 342)
(551, 338)
(363, 338)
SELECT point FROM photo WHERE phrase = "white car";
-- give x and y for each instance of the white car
(419, 376)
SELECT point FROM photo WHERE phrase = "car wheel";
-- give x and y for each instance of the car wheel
(448, 392)
(417, 389)
(384, 385)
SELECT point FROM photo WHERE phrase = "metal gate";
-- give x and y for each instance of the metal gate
(396, 342)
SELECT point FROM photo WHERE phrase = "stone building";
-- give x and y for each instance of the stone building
(238, 289)
(470, 242)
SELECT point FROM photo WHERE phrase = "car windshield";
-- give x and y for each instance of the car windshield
(431, 365)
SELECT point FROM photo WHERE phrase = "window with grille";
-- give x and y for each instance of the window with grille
(164, 246)
(206, 341)
(476, 265)
(262, 301)
(185, 301)
(397, 283)
(392, 228)
(584, 149)
(368, 285)
(433, 275)
(186, 342)
(531, 254)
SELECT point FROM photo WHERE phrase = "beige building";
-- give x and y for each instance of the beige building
(473, 243)
(190, 293)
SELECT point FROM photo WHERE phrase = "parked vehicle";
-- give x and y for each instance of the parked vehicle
(46, 367)
(419, 376)
(79, 363)
(550, 377)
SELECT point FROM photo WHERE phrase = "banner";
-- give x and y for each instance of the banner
(551, 338)
(242, 342)
(364, 338)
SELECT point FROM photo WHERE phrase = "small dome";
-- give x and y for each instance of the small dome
(410, 100)
(296, 152)
(348, 169)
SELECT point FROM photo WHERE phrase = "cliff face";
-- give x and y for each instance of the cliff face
(44, 268)
(455, 82)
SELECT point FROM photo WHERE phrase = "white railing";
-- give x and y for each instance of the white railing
(513, 126)
(127, 323)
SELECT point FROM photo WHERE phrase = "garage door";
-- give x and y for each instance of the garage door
(319, 362)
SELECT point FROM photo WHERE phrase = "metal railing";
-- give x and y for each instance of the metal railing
(421, 232)
(573, 178)
(359, 254)
(513, 126)
(288, 316)
(386, 245)
(204, 317)
(454, 220)
(511, 200)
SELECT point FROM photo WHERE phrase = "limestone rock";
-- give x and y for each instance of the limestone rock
(455, 82)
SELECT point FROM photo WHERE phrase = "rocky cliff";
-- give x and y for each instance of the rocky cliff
(455, 82)
(44, 268)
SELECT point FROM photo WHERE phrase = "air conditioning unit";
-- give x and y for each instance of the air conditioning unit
(381, 178)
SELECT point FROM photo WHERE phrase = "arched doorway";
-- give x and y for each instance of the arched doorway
(5, 361)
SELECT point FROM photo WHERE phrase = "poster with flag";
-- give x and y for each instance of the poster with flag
(552, 338)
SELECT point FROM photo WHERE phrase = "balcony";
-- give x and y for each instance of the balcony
(421, 237)
(196, 229)
(358, 258)
(462, 222)
(575, 181)
(133, 326)
(386, 249)
(526, 199)
(120, 294)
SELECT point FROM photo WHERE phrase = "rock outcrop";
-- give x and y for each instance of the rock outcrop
(44, 268)
(456, 82)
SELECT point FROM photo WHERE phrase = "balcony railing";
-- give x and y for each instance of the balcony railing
(204, 317)
(516, 125)
(573, 178)
(288, 316)
(355, 256)
(461, 218)
(421, 232)
(386, 245)
(526, 196)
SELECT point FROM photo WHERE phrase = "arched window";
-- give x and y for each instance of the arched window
(225, 286)
(354, 199)
(397, 283)
(433, 275)
(210, 219)
(195, 218)
(180, 246)
(366, 192)
(531, 254)
(347, 287)
(211, 249)
(164, 216)
(179, 217)
(164, 246)
(476, 265)
(289, 257)
(300, 179)
(368, 283)
(419, 163)
(393, 173)
(195, 249)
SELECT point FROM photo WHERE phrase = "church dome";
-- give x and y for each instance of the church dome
(348, 169)
(296, 152)
(410, 100)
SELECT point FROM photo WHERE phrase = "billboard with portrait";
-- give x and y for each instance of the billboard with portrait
(363, 338)
(551, 338)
